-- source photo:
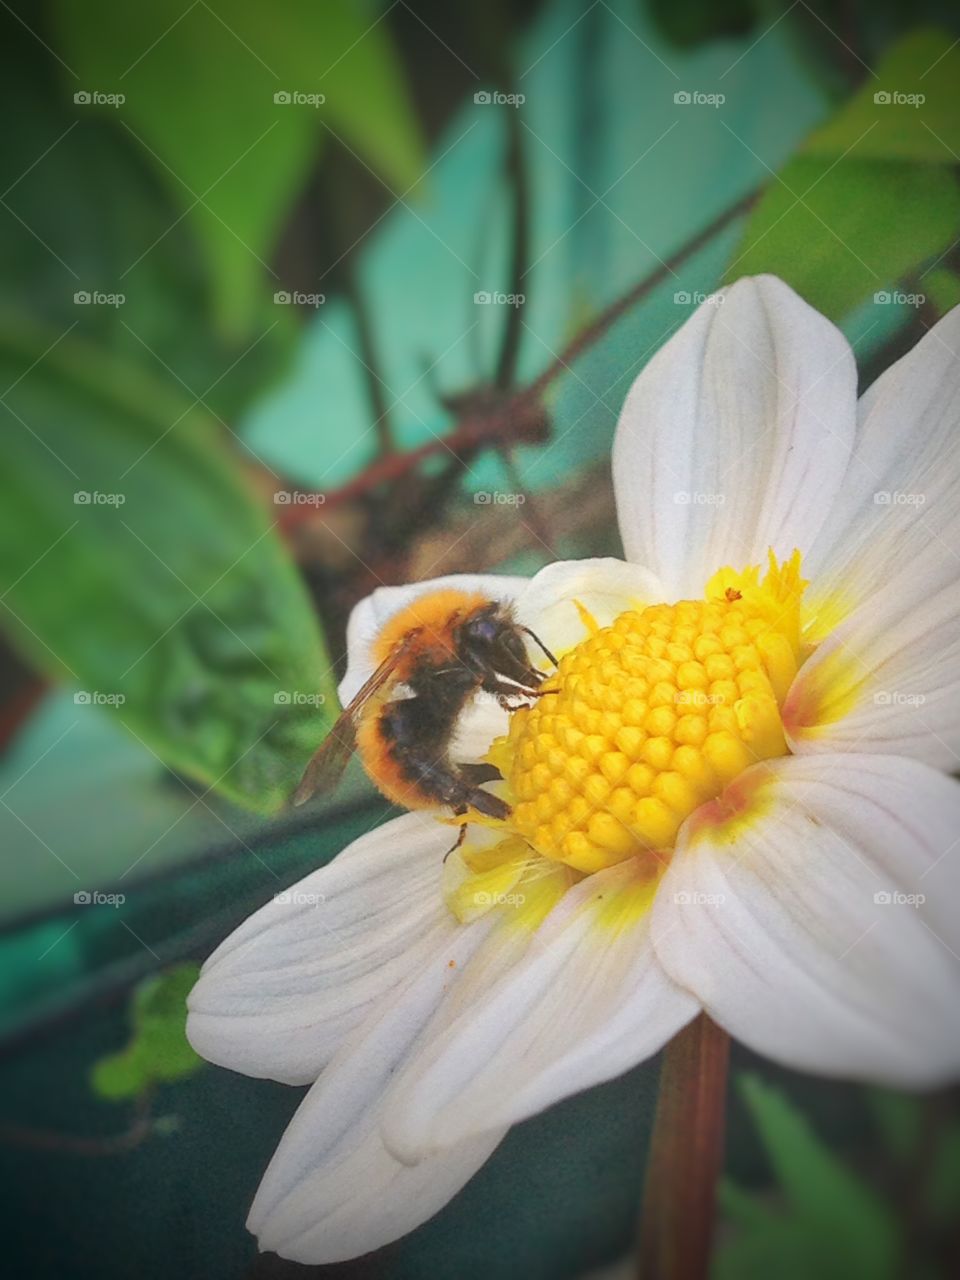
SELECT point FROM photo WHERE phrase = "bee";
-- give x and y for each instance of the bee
(433, 657)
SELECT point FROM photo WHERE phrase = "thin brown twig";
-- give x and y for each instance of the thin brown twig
(492, 430)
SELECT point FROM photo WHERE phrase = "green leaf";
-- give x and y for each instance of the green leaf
(909, 111)
(840, 232)
(212, 99)
(120, 236)
(169, 597)
(943, 1193)
(158, 1052)
(849, 1225)
(942, 287)
(777, 1246)
(898, 1117)
(367, 98)
(688, 23)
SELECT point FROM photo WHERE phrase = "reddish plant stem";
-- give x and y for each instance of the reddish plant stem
(74, 1144)
(686, 1155)
(588, 336)
(492, 429)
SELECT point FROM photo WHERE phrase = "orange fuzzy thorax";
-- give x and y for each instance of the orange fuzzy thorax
(435, 614)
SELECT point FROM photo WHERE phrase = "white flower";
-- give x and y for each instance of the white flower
(808, 901)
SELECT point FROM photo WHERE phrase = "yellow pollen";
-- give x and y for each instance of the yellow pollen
(652, 717)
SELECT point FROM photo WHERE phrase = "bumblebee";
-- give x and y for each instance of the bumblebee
(432, 658)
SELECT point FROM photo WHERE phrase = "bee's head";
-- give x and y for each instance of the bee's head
(491, 642)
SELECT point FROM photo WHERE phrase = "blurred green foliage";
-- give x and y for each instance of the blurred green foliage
(214, 102)
(158, 1051)
(873, 194)
(185, 600)
(826, 1218)
(829, 1223)
(178, 601)
(688, 23)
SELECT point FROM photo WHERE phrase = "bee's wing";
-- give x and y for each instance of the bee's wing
(328, 762)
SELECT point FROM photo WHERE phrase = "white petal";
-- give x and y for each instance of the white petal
(887, 679)
(604, 587)
(587, 1001)
(280, 993)
(794, 923)
(735, 436)
(901, 494)
(368, 617)
(332, 1191)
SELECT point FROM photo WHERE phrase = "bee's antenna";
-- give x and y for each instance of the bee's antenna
(533, 636)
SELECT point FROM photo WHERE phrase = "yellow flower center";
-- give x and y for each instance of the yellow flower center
(650, 718)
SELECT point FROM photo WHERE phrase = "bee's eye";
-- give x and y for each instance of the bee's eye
(484, 630)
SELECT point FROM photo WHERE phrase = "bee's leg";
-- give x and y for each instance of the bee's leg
(461, 835)
(504, 690)
(474, 774)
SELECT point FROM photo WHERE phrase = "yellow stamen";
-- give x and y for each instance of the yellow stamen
(651, 718)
